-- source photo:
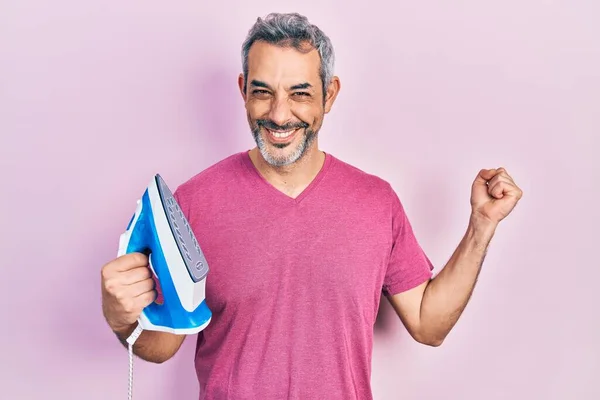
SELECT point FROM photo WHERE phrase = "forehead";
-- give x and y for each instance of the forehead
(283, 63)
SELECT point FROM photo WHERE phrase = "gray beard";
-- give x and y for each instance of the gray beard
(308, 138)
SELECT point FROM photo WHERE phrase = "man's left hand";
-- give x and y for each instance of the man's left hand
(494, 195)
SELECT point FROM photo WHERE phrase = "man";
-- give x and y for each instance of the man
(301, 245)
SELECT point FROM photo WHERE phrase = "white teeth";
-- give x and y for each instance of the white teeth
(281, 134)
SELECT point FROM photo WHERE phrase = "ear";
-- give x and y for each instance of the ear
(332, 91)
(241, 86)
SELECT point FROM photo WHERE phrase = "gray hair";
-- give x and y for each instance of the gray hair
(294, 30)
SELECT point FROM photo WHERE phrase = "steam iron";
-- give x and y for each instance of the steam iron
(160, 229)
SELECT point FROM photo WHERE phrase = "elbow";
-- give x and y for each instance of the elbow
(430, 340)
(435, 342)
(162, 358)
(155, 358)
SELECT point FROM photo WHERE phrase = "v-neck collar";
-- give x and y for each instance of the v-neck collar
(256, 173)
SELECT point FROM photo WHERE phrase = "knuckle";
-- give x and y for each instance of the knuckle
(109, 285)
(106, 272)
(128, 306)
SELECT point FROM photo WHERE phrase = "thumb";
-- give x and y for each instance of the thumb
(479, 188)
(485, 175)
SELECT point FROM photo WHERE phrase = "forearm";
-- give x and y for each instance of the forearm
(152, 346)
(447, 295)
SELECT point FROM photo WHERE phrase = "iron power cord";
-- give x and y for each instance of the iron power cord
(130, 341)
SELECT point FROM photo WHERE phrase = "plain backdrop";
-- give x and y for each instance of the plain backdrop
(97, 96)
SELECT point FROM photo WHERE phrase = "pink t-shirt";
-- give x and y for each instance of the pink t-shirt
(295, 284)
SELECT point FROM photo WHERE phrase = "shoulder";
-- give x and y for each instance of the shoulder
(212, 177)
(358, 180)
(371, 191)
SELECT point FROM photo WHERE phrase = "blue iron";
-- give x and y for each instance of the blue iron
(159, 228)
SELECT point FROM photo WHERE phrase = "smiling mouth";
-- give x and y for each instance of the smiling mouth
(279, 137)
(282, 134)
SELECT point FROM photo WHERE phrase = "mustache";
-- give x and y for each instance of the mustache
(267, 123)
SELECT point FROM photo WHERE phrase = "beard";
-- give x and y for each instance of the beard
(307, 138)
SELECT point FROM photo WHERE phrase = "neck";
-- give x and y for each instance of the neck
(291, 179)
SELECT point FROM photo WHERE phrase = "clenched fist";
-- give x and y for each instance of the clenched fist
(494, 194)
(127, 288)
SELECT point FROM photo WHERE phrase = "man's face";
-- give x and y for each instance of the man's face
(284, 101)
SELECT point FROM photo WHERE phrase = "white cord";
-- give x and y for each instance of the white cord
(130, 372)
(130, 341)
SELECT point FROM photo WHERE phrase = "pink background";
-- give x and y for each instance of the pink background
(95, 97)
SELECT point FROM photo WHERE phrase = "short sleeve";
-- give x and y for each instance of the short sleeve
(408, 264)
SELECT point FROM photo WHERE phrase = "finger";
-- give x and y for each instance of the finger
(130, 261)
(140, 288)
(135, 275)
(513, 189)
(501, 189)
(485, 175)
(499, 178)
(503, 172)
(145, 299)
(497, 189)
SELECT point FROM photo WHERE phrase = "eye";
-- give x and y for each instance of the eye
(260, 92)
(302, 94)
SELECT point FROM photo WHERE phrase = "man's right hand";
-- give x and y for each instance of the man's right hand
(127, 288)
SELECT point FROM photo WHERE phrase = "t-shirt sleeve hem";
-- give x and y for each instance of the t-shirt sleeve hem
(396, 288)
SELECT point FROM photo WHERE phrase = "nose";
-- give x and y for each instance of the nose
(281, 111)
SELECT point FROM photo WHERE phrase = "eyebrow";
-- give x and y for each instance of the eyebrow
(259, 84)
(262, 84)
(304, 85)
